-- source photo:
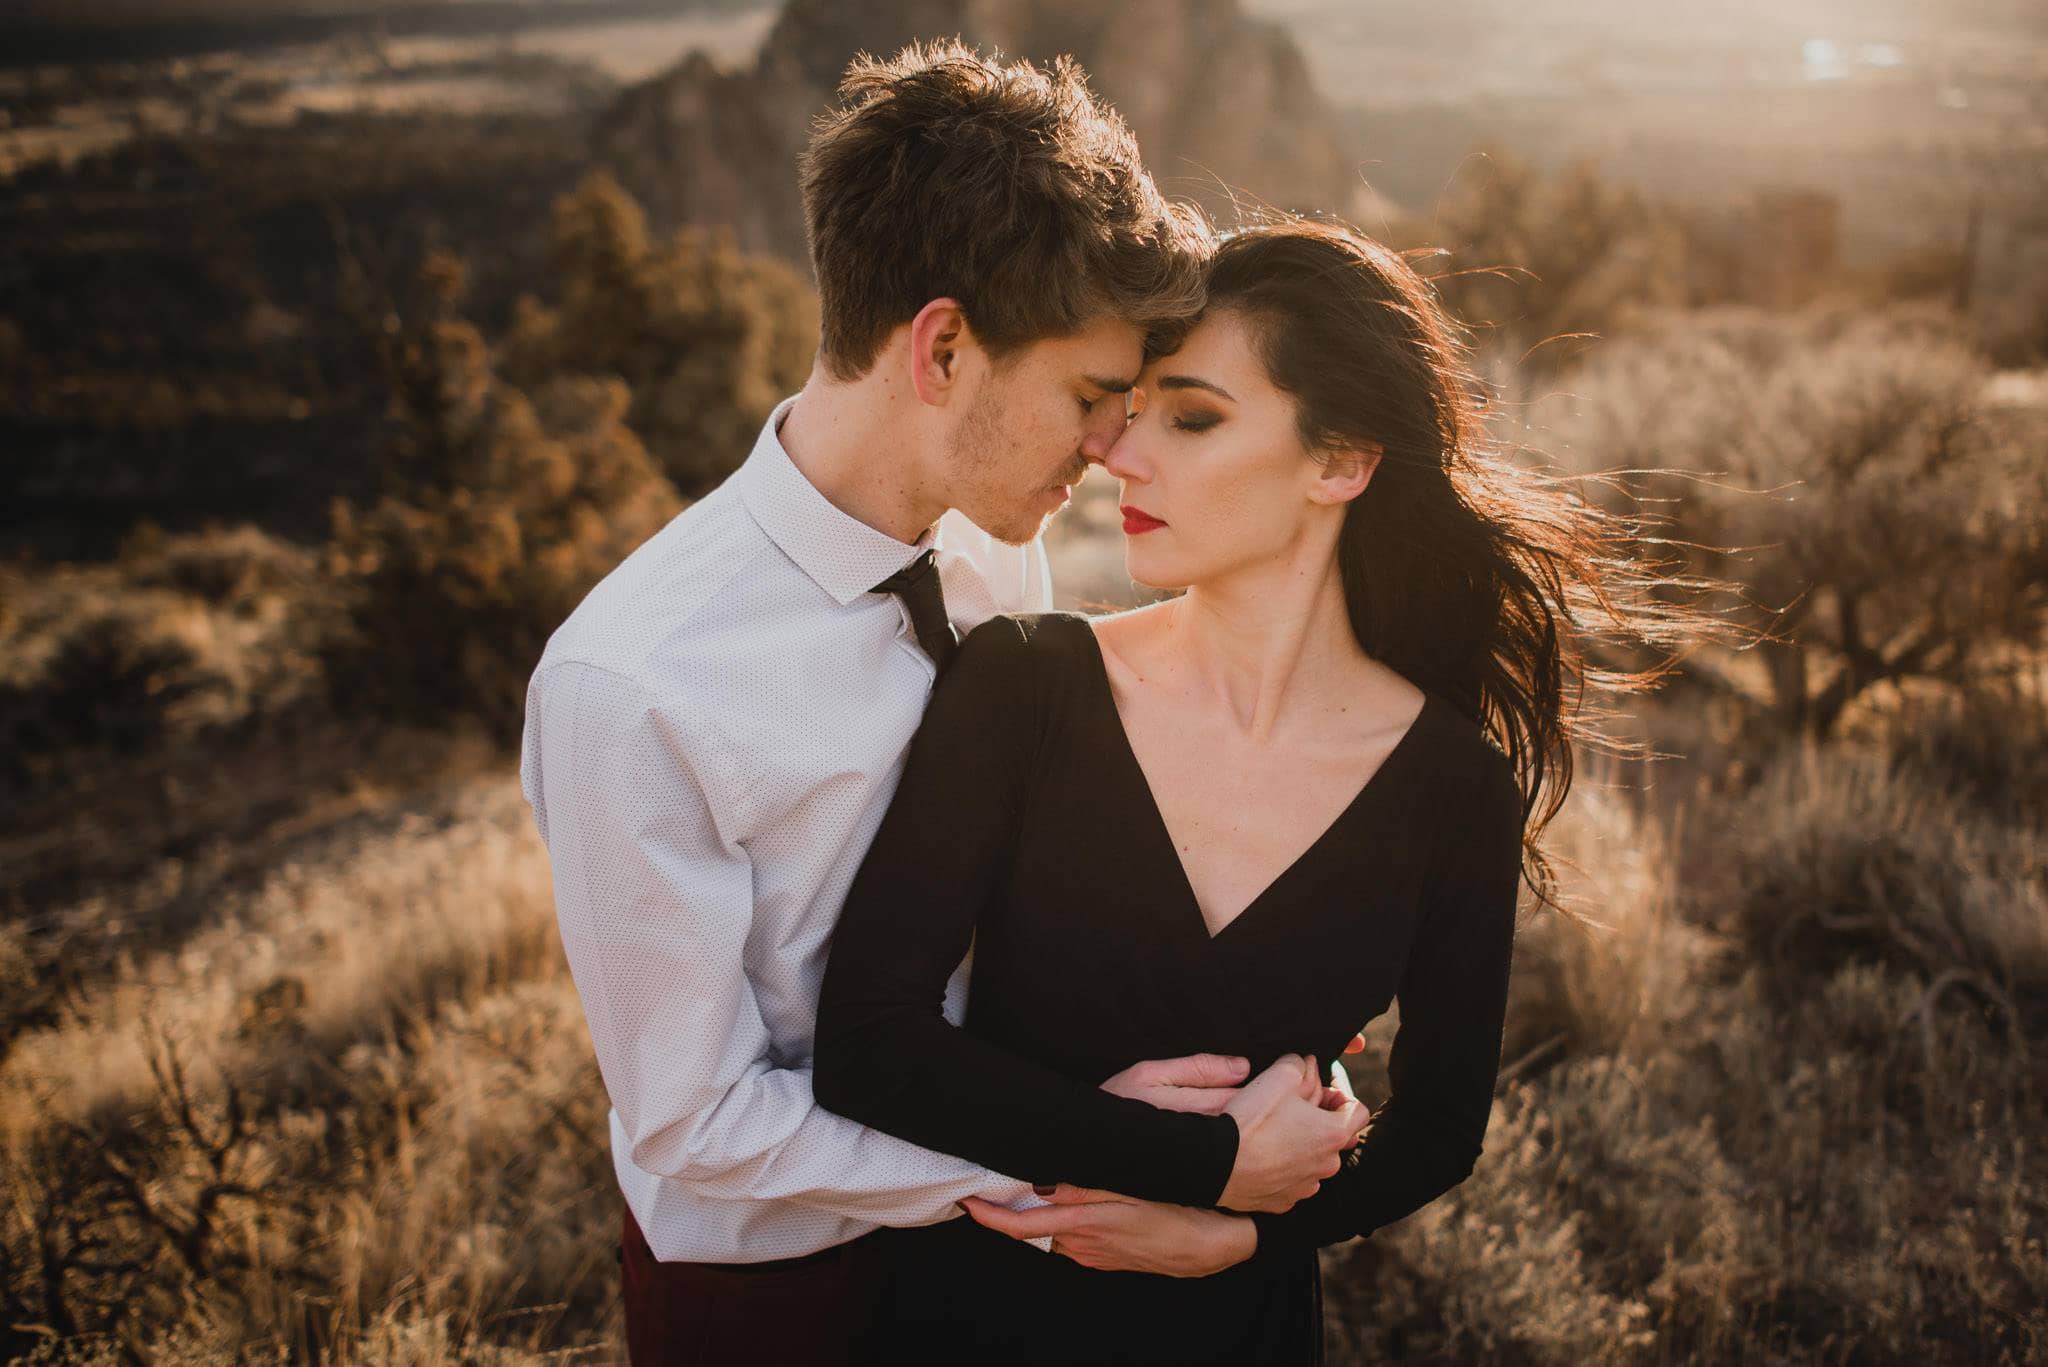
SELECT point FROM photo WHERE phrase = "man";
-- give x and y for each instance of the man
(713, 735)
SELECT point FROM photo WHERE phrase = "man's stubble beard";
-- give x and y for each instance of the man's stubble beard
(978, 461)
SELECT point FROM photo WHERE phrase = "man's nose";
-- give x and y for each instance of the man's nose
(1096, 444)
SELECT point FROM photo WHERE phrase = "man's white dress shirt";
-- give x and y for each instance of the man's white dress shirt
(711, 739)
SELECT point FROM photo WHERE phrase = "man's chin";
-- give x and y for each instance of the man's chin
(1021, 534)
(1017, 528)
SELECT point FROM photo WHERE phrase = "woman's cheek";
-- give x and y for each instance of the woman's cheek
(1236, 509)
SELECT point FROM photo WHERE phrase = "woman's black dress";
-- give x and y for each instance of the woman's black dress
(1024, 821)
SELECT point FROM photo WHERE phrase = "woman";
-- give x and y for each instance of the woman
(1241, 821)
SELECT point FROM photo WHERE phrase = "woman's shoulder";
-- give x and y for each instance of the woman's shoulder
(1037, 636)
(1479, 769)
(1021, 652)
(1477, 816)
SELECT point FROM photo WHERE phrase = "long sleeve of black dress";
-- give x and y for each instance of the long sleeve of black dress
(1445, 1058)
(884, 1053)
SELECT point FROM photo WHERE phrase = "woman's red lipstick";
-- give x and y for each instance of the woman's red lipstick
(1136, 522)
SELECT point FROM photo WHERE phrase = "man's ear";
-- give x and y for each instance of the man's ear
(939, 336)
(1345, 472)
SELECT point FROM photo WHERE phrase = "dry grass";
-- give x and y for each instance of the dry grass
(377, 1065)
(354, 1114)
(1708, 1151)
(291, 1068)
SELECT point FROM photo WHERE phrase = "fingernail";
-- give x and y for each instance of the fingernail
(1042, 1191)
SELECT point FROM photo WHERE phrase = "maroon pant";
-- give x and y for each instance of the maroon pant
(816, 1309)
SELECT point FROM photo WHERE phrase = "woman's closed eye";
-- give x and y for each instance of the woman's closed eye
(1197, 421)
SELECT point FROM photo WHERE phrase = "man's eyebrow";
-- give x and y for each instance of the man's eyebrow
(1190, 382)
(1111, 386)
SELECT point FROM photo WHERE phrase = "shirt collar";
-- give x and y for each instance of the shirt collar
(844, 555)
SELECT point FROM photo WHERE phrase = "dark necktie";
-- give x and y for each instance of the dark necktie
(917, 584)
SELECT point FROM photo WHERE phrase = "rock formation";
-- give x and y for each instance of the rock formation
(1221, 103)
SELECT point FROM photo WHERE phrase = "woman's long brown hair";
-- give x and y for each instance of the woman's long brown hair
(1473, 577)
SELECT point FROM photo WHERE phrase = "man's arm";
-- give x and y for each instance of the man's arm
(1113, 1233)
(655, 904)
(1116, 1233)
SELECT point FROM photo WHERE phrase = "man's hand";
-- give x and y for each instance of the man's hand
(1101, 1229)
(1194, 1082)
(1290, 1130)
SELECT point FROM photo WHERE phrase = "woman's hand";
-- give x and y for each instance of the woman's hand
(1196, 1082)
(1286, 1149)
(1206, 1082)
(1114, 1233)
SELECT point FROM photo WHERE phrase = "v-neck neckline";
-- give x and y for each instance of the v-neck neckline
(1165, 834)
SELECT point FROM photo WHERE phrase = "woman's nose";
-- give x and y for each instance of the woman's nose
(1126, 457)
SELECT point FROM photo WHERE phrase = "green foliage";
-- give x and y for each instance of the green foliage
(707, 339)
(520, 475)
(505, 509)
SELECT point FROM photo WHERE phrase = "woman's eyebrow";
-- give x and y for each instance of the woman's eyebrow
(1190, 382)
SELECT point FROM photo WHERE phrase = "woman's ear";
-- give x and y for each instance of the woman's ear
(938, 336)
(1345, 471)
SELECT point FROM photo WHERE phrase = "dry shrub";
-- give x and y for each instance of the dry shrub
(152, 710)
(1888, 520)
(1985, 745)
(1787, 1183)
(489, 1204)
(1706, 1151)
(116, 682)
(1920, 845)
(181, 638)
(1536, 261)
(1625, 967)
(1528, 1260)
(241, 568)
(342, 944)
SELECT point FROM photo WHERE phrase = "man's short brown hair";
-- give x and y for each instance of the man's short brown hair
(942, 174)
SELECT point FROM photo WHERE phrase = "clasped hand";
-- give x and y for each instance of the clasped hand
(1292, 1132)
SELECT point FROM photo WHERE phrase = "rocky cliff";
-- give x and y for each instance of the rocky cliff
(1221, 104)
